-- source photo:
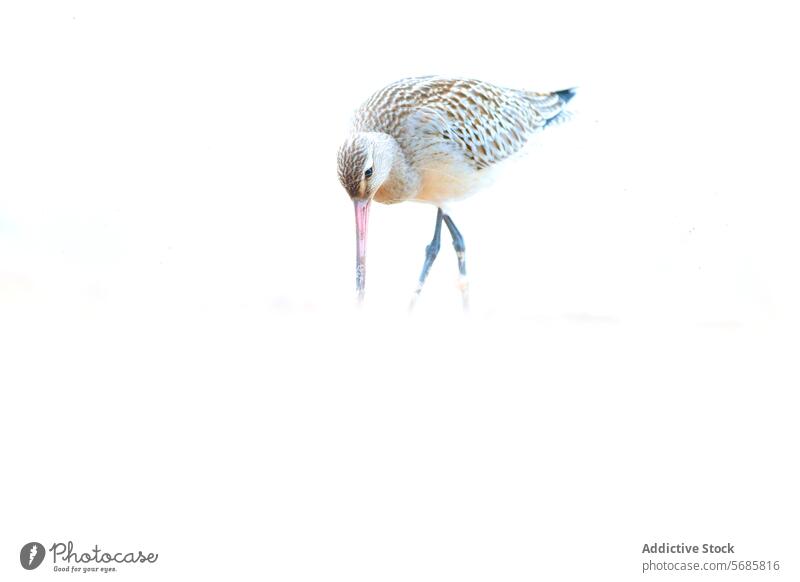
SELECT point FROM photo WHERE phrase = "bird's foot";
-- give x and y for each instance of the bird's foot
(463, 285)
(414, 297)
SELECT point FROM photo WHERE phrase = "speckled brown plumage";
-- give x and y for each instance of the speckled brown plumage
(488, 123)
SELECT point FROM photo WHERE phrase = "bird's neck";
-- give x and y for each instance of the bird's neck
(403, 181)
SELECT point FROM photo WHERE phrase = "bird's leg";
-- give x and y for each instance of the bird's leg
(430, 254)
(458, 245)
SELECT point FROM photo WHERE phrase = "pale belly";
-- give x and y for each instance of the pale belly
(440, 184)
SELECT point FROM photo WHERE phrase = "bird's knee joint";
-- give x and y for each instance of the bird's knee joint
(460, 248)
(432, 250)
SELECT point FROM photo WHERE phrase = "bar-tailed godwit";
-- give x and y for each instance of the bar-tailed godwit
(435, 140)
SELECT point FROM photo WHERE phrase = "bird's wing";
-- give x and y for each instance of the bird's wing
(487, 122)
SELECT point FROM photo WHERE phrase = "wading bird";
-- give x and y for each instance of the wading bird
(435, 140)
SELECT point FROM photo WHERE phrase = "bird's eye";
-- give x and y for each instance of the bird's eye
(368, 173)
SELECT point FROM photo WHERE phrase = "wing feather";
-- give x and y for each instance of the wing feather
(486, 122)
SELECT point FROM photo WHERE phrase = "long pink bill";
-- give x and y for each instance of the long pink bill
(362, 217)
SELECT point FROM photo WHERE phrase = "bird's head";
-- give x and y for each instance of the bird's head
(364, 162)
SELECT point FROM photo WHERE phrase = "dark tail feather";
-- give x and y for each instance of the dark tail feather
(567, 94)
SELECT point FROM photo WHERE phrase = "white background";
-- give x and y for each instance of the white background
(182, 367)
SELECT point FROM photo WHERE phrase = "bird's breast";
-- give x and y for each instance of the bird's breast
(440, 182)
(450, 181)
